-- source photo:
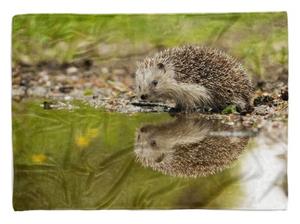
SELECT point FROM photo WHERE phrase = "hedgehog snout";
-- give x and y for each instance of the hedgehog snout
(144, 96)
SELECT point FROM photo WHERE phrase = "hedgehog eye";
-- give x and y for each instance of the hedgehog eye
(143, 129)
(153, 143)
(139, 87)
(160, 66)
(154, 82)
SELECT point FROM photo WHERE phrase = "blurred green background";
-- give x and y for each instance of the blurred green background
(258, 39)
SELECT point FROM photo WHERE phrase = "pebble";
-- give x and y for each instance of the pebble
(263, 110)
(66, 89)
(37, 91)
(43, 75)
(18, 91)
(72, 70)
(104, 70)
(60, 78)
(74, 78)
(68, 98)
(48, 83)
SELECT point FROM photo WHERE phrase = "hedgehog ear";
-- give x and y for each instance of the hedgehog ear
(161, 66)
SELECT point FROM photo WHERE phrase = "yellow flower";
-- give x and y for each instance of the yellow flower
(38, 158)
(82, 141)
(92, 132)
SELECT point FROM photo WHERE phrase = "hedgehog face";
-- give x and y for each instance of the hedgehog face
(156, 143)
(151, 147)
(152, 82)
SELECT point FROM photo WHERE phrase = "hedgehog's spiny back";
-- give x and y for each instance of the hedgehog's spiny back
(190, 62)
(212, 68)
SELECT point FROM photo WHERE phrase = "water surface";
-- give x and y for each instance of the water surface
(91, 159)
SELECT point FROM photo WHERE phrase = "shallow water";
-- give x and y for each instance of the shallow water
(91, 159)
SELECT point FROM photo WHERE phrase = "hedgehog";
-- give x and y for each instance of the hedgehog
(188, 147)
(194, 77)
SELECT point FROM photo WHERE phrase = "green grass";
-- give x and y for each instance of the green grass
(259, 39)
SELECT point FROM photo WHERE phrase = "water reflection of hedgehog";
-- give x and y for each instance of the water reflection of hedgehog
(194, 77)
(186, 147)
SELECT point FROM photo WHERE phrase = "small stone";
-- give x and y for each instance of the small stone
(263, 110)
(104, 70)
(44, 75)
(74, 78)
(37, 91)
(72, 70)
(66, 89)
(68, 98)
(60, 78)
(48, 83)
(19, 91)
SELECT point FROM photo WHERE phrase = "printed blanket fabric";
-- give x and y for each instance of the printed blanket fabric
(83, 139)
